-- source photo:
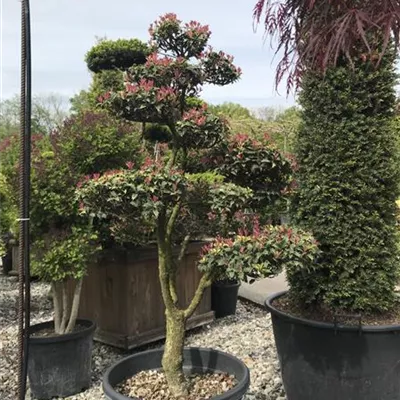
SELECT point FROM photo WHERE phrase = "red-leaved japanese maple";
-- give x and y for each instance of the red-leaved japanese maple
(318, 32)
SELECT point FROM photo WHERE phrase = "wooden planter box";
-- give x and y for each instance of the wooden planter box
(122, 295)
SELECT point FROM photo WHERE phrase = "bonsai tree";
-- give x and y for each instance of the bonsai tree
(159, 200)
(64, 259)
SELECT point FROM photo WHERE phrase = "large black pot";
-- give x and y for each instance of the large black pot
(196, 360)
(60, 366)
(224, 297)
(330, 361)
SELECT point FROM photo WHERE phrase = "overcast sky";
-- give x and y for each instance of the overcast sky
(64, 30)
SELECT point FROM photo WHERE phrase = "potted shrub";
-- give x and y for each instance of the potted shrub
(160, 200)
(60, 352)
(224, 293)
(258, 165)
(251, 256)
(62, 249)
(337, 329)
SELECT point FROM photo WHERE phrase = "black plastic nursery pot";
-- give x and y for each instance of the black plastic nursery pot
(196, 360)
(7, 262)
(60, 366)
(330, 361)
(224, 297)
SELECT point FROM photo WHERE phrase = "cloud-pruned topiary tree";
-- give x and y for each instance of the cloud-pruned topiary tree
(160, 200)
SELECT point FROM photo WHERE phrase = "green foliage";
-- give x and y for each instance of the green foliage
(348, 184)
(227, 198)
(9, 155)
(158, 90)
(157, 133)
(106, 81)
(93, 141)
(250, 163)
(52, 188)
(65, 256)
(187, 40)
(200, 129)
(132, 200)
(116, 54)
(194, 103)
(90, 142)
(255, 164)
(9, 210)
(231, 110)
(205, 178)
(261, 254)
(280, 126)
(81, 102)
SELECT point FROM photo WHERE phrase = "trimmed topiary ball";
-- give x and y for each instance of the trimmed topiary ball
(116, 54)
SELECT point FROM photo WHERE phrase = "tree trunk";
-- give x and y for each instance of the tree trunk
(75, 306)
(65, 307)
(172, 361)
(57, 307)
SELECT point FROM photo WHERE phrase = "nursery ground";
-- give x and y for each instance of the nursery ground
(248, 335)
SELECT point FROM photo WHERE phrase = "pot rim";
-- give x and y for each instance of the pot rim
(90, 327)
(227, 285)
(324, 325)
(241, 388)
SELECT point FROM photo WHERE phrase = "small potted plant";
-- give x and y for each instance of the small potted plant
(61, 350)
(160, 200)
(337, 329)
(63, 246)
(258, 165)
(251, 256)
(224, 293)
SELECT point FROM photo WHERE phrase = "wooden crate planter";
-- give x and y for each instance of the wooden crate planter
(122, 294)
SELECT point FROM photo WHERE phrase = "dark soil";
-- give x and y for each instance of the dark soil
(152, 385)
(49, 332)
(320, 313)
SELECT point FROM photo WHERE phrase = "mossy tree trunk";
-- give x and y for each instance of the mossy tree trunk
(176, 317)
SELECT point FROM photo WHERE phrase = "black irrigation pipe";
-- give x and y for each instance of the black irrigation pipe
(24, 186)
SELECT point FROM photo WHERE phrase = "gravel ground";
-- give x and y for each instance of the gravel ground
(248, 335)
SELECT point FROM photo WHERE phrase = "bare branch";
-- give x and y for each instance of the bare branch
(164, 262)
(57, 306)
(184, 247)
(204, 283)
(65, 307)
(75, 306)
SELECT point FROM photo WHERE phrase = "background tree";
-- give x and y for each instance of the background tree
(48, 113)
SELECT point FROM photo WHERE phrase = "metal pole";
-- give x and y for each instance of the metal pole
(24, 183)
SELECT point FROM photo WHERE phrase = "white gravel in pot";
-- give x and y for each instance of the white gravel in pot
(248, 335)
